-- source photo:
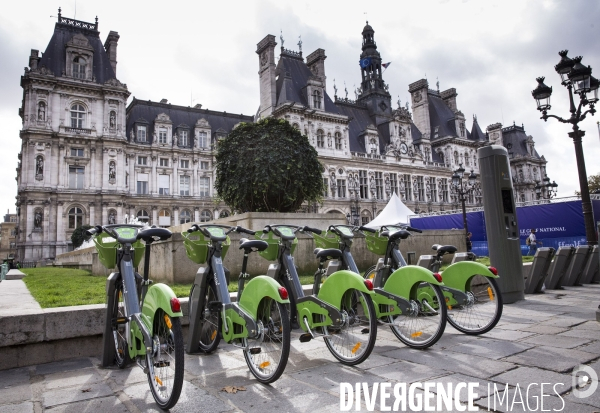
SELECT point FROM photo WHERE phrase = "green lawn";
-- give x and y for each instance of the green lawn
(62, 287)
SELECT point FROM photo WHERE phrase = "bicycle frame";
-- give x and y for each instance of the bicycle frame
(238, 319)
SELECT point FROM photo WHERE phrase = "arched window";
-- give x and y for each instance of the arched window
(41, 111)
(205, 216)
(338, 141)
(164, 218)
(185, 217)
(143, 216)
(79, 67)
(456, 158)
(224, 214)
(317, 99)
(77, 116)
(75, 217)
(320, 139)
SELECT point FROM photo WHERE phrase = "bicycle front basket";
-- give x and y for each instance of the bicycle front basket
(107, 250)
(270, 254)
(328, 240)
(376, 244)
(197, 249)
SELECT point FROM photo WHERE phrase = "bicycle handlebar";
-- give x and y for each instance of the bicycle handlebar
(314, 230)
(243, 230)
(409, 228)
(367, 229)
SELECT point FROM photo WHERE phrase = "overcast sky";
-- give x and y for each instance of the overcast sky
(204, 52)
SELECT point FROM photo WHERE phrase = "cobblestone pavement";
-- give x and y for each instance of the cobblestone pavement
(541, 339)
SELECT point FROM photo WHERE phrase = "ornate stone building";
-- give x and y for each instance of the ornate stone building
(86, 158)
(8, 236)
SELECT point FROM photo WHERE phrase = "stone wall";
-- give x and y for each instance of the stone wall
(169, 262)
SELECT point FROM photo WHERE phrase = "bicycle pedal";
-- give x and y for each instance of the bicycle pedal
(121, 320)
(255, 350)
(215, 306)
(305, 338)
(365, 331)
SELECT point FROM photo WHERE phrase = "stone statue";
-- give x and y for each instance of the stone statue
(42, 112)
(299, 43)
(37, 220)
(334, 89)
(39, 167)
(111, 218)
(113, 120)
(112, 171)
(281, 37)
(388, 187)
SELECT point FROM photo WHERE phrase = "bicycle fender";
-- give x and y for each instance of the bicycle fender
(457, 274)
(257, 289)
(158, 296)
(406, 280)
(336, 285)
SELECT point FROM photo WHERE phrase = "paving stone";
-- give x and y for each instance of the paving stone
(83, 378)
(588, 325)
(328, 377)
(592, 400)
(514, 401)
(192, 399)
(552, 358)
(407, 372)
(524, 376)
(285, 395)
(481, 390)
(109, 404)
(14, 394)
(212, 363)
(66, 365)
(508, 335)
(593, 347)
(545, 329)
(84, 391)
(556, 341)
(565, 321)
(25, 407)
(487, 347)
(13, 377)
(589, 334)
(454, 362)
(127, 376)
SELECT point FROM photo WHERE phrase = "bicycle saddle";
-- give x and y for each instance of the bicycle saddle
(327, 253)
(402, 234)
(149, 234)
(444, 249)
(247, 245)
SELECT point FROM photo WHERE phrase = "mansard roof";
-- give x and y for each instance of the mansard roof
(293, 75)
(54, 58)
(515, 140)
(359, 120)
(180, 115)
(440, 115)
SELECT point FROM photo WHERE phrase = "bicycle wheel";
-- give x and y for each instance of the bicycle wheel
(370, 273)
(483, 310)
(210, 321)
(119, 327)
(267, 354)
(353, 342)
(423, 326)
(165, 362)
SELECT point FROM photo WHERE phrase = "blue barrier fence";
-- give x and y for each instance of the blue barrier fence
(480, 248)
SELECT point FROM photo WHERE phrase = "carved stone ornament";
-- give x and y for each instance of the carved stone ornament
(417, 96)
(112, 172)
(112, 152)
(202, 123)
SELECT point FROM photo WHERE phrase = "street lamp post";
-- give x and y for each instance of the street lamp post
(462, 188)
(578, 80)
(546, 190)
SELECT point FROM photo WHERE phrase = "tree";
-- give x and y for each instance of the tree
(79, 235)
(593, 184)
(268, 166)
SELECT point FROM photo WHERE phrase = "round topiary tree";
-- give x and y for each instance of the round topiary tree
(79, 235)
(268, 166)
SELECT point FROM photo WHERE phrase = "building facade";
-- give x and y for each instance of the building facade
(87, 158)
(8, 236)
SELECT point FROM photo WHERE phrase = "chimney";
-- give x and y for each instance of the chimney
(449, 97)
(164, 101)
(110, 45)
(316, 63)
(34, 59)
(265, 50)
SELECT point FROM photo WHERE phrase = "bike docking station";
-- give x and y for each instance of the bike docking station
(559, 266)
(590, 272)
(539, 270)
(501, 221)
(574, 272)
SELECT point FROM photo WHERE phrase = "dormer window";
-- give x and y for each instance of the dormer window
(183, 135)
(79, 64)
(338, 141)
(317, 99)
(141, 133)
(462, 129)
(77, 116)
(162, 136)
(202, 140)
